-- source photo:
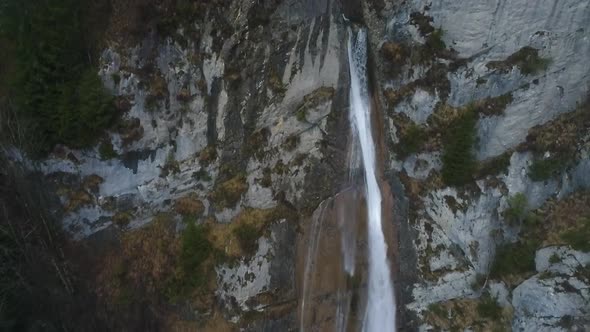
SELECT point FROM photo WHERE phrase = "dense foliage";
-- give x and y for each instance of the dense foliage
(195, 250)
(458, 155)
(53, 83)
(517, 209)
(514, 258)
(544, 169)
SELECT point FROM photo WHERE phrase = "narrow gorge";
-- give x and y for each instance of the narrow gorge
(295, 165)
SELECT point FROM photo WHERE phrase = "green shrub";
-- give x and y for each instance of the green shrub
(195, 247)
(411, 140)
(544, 169)
(488, 307)
(228, 193)
(208, 155)
(527, 59)
(458, 157)
(514, 258)
(434, 40)
(195, 250)
(248, 236)
(116, 78)
(495, 166)
(438, 310)
(301, 115)
(554, 259)
(172, 166)
(106, 151)
(531, 63)
(579, 238)
(203, 175)
(517, 209)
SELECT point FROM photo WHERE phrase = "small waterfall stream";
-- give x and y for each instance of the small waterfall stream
(380, 310)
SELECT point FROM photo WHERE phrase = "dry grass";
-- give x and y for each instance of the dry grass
(208, 155)
(130, 130)
(228, 193)
(557, 217)
(158, 86)
(122, 219)
(77, 199)
(460, 314)
(189, 205)
(92, 183)
(224, 237)
(145, 259)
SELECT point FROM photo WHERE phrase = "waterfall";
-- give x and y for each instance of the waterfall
(380, 311)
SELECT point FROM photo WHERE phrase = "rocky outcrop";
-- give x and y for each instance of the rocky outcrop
(434, 57)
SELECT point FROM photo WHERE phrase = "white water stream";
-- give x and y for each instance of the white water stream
(380, 312)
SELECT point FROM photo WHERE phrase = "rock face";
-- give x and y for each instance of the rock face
(250, 112)
(248, 116)
(434, 57)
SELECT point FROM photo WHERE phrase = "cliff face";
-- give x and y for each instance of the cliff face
(521, 67)
(238, 122)
(241, 118)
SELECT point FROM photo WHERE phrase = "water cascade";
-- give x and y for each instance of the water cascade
(380, 310)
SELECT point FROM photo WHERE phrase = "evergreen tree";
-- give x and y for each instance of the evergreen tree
(55, 86)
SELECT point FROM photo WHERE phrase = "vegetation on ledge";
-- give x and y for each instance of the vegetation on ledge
(411, 140)
(458, 157)
(527, 59)
(544, 169)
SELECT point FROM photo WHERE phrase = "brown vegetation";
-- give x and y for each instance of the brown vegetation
(189, 205)
(228, 193)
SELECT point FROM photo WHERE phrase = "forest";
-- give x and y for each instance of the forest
(50, 81)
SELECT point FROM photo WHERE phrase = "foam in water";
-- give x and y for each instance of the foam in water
(380, 312)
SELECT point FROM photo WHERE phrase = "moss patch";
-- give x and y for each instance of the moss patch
(228, 193)
(395, 55)
(130, 130)
(544, 169)
(514, 259)
(247, 235)
(76, 199)
(91, 183)
(411, 140)
(560, 137)
(579, 237)
(494, 166)
(106, 150)
(276, 83)
(122, 219)
(208, 155)
(172, 166)
(266, 180)
(291, 142)
(255, 144)
(517, 209)
(240, 237)
(488, 307)
(527, 59)
(312, 100)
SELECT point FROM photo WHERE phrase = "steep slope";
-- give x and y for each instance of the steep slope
(487, 105)
(224, 183)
